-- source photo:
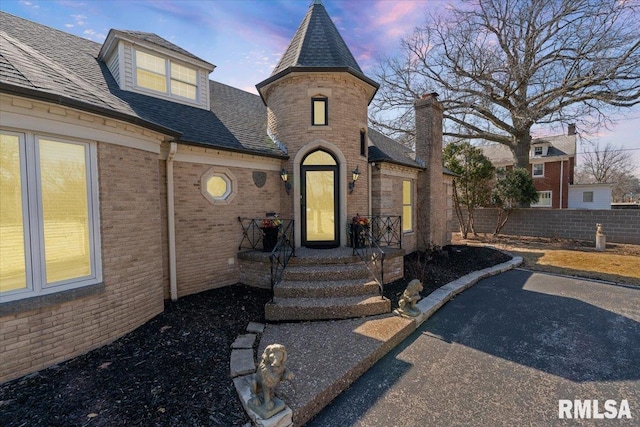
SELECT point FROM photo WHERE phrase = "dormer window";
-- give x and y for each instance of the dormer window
(152, 72)
(319, 111)
(537, 151)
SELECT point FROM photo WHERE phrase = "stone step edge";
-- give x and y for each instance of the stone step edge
(427, 308)
(371, 306)
(327, 288)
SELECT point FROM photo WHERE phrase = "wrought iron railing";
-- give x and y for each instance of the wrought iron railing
(386, 230)
(255, 236)
(282, 252)
(365, 246)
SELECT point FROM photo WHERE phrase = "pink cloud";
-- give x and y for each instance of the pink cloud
(396, 12)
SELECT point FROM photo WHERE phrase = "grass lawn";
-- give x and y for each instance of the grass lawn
(618, 263)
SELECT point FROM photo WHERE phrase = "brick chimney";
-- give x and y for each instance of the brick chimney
(431, 208)
(571, 129)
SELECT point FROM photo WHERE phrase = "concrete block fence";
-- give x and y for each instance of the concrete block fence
(620, 226)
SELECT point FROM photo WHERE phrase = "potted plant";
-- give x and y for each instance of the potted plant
(270, 228)
(359, 228)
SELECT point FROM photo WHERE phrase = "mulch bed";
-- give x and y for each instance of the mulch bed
(174, 370)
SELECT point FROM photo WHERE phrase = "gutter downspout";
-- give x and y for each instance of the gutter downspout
(561, 181)
(171, 223)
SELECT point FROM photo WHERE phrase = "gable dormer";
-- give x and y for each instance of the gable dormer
(148, 64)
(539, 149)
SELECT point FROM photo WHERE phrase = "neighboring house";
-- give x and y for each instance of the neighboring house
(552, 164)
(125, 169)
(590, 196)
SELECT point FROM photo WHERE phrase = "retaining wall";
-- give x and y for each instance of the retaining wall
(620, 226)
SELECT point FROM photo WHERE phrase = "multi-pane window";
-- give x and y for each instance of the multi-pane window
(407, 206)
(537, 169)
(537, 151)
(544, 200)
(49, 233)
(319, 111)
(152, 72)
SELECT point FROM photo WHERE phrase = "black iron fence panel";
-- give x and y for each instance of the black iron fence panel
(273, 235)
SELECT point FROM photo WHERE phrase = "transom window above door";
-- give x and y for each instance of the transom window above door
(319, 158)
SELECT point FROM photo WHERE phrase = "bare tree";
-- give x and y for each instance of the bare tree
(503, 66)
(609, 164)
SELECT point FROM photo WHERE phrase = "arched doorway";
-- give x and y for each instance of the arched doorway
(319, 200)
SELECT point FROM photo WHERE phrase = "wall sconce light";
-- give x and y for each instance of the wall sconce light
(284, 176)
(355, 174)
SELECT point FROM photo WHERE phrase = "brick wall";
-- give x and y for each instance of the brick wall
(386, 196)
(620, 226)
(289, 119)
(208, 234)
(554, 173)
(132, 271)
(432, 202)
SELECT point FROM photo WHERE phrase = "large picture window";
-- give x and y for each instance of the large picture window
(407, 206)
(152, 72)
(49, 228)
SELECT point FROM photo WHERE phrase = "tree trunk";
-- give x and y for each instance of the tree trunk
(521, 153)
(521, 149)
(456, 204)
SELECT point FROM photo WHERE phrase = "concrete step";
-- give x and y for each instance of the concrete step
(325, 308)
(326, 272)
(324, 289)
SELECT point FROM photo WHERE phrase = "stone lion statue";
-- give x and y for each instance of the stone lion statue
(410, 296)
(271, 371)
(599, 231)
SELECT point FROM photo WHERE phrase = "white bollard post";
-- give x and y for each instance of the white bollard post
(601, 239)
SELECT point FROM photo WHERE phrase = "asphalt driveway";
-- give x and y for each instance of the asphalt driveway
(503, 353)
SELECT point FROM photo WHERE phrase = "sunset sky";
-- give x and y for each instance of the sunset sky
(245, 38)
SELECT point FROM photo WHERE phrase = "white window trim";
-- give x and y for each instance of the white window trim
(34, 228)
(228, 177)
(533, 170)
(167, 94)
(536, 149)
(411, 203)
(538, 205)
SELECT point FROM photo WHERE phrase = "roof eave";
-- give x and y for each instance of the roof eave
(87, 107)
(265, 83)
(236, 150)
(398, 163)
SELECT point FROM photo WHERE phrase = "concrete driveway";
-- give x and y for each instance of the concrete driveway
(503, 353)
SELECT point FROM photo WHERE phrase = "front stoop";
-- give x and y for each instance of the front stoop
(326, 308)
(324, 288)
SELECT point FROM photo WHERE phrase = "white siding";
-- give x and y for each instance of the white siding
(113, 64)
(601, 196)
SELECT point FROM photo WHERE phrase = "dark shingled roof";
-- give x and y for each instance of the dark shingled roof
(158, 41)
(43, 63)
(317, 46)
(385, 149)
(317, 43)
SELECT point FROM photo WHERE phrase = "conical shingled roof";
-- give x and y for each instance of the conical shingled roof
(317, 43)
(317, 46)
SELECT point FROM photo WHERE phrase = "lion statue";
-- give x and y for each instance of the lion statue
(599, 231)
(271, 371)
(410, 296)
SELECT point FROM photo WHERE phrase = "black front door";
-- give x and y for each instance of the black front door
(320, 219)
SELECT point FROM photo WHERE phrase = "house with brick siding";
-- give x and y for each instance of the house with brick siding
(552, 162)
(125, 171)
